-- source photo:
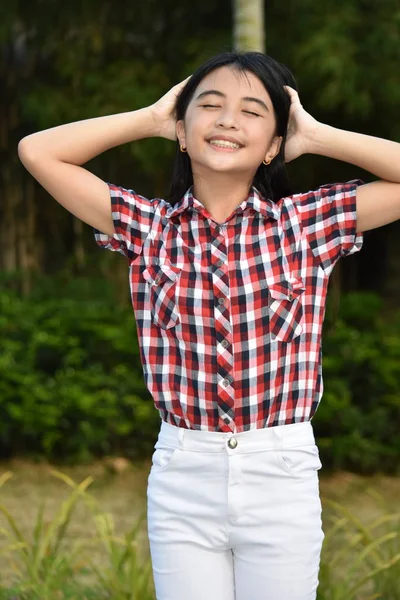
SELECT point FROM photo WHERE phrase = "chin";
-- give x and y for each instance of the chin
(222, 166)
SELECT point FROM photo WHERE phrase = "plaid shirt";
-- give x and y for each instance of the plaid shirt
(229, 316)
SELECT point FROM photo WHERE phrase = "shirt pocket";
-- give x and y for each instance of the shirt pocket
(286, 309)
(162, 279)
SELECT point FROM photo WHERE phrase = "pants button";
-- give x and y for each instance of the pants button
(232, 443)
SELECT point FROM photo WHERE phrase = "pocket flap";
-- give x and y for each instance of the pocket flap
(287, 289)
(158, 273)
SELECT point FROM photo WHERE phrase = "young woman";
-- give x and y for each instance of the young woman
(228, 279)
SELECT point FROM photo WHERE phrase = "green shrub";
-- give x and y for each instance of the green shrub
(71, 382)
(356, 422)
(72, 386)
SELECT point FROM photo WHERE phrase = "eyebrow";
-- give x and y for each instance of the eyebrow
(222, 95)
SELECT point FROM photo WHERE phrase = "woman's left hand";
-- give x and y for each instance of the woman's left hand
(302, 128)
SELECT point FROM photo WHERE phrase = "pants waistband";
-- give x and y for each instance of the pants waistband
(269, 438)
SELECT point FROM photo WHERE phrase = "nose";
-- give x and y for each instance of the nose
(227, 120)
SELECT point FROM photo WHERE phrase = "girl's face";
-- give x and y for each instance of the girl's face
(229, 124)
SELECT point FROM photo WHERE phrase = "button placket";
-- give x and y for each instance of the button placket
(223, 326)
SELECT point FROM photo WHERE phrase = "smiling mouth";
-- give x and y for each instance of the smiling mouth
(224, 146)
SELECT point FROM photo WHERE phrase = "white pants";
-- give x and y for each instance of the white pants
(235, 522)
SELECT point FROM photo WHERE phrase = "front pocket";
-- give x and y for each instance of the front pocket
(299, 462)
(162, 279)
(163, 457)
(286, 309)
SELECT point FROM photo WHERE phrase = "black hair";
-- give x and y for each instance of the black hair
(271, 180)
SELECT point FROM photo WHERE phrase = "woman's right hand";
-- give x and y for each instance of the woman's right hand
(163, 112)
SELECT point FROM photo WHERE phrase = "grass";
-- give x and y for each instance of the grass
(63, 533)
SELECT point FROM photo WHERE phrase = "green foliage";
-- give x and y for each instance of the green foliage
(366, 555)
(72, 386)
(104, 58)
(356, 422)
(344, 55)
(98, 57)
(124, 577)
(45, 567)
(71, 383)
(43, 563)
(359, 559)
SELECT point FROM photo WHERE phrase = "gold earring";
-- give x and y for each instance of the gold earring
(183, 149)
(266, 163)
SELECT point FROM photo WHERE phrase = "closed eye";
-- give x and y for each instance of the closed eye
(215, 106)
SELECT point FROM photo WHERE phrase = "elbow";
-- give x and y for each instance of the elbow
(26, 150)
(23, 147)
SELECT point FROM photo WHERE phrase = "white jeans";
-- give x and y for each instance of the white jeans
(235, 522)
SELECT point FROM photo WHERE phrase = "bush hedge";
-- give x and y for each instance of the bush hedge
(72, 388)
(71, 382)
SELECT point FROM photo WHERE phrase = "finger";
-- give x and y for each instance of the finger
(291, 92)
(293, 95)
(184, 82)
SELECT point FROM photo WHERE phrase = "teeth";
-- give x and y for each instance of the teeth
(224, 144)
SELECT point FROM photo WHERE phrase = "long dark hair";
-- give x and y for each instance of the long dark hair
(272, 180)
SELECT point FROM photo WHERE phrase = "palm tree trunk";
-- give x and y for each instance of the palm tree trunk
(249, 31)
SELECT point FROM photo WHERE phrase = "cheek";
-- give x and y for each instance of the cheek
(262, 138)
(258, 143)
(196, 132)
(261, 133)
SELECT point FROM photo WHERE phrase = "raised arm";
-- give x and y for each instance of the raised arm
(54, 156)
(378, 203)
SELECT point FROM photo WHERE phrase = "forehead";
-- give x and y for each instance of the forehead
(231, 82)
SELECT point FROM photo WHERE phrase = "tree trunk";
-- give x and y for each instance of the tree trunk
(249, 25)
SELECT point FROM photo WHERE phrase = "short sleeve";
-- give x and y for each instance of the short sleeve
(329, 219)
(132, 216)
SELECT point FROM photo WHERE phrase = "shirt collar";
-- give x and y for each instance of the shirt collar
(266, 207)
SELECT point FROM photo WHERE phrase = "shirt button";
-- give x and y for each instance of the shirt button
(225, 343)
(218, 229)
(232, 443)
(226, 382)
(221, 300)
(157, 279)
(290, 296)
(220, 263)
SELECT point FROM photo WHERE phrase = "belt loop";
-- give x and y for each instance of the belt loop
(181, 433)
(280, 438)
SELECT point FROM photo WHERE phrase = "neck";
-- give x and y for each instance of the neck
(221, 193)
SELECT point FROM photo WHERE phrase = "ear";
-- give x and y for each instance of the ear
(180, 132)
(274, 148)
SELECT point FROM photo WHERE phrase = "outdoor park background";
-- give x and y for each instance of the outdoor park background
(71, 386)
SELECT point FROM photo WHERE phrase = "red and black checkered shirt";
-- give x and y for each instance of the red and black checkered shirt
(229, 316)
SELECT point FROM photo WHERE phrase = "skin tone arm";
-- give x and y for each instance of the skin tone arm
(378, 203)
(54, 156)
